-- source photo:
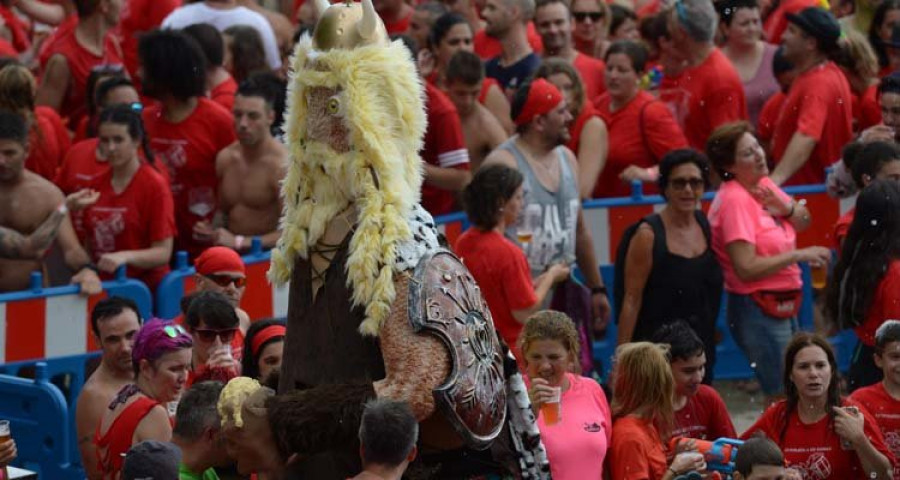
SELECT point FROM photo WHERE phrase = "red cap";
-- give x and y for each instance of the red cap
(543, 97)
(218, 259)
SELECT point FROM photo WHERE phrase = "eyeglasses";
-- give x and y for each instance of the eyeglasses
(582, 16)
(207, 335)
(224, 280)
(174, 330)
(682, 183)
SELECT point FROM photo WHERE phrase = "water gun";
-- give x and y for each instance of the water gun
(719, 455)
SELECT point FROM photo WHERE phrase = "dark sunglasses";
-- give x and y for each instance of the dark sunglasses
(224, 280)
(582, 16)
(209, 335)
(682, 183)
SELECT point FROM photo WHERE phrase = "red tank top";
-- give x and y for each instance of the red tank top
(117, 439)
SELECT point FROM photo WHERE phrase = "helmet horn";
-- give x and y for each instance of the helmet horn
(369, 22)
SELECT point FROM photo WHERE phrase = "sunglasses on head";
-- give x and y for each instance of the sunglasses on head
(225, 280)
(209, 335)
(174, 330)
(582, 16)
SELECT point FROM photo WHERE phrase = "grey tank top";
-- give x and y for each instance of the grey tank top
(548, 218)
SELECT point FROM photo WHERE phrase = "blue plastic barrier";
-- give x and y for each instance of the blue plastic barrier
(39, 422)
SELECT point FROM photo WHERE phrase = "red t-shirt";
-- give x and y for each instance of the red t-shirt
(486, 85)
(81, 62)
(866, 111)
(819, 106)
(502, 272)
(591, 70)
(637, 451)
(705, 97)
(80, 168)
(704, 416)
(769, 115)
(635, 139)
(815, 449)
(188, 149)
(137, 17)
(400, 26)
(842, 226)
(776, 23)
(886, 410)
(885, 304)
(67, 25)
(224, 93)
(133, 219)
(7, 50)
(17, 29)
(577, 126)
(48, 143)
(444, 147)
(488, 47)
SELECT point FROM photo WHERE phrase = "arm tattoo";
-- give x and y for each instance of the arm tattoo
(17, 246)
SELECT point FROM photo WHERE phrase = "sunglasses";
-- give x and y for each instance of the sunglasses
(224, 280)
(209, 335)
(582, 16)
(174, 330)
(682, 183)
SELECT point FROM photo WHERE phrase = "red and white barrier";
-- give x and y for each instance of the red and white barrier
(46, 327)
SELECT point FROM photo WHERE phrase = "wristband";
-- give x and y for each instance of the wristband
(62, 208)
(600, 289)
(89, 266)
(238, 242)
(791, 213)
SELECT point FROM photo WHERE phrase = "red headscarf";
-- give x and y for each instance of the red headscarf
(543, 97)
(218, 259)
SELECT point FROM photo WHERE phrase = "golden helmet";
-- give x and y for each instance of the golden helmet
(348, 25)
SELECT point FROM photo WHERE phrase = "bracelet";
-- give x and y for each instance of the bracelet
(89, 266)
(62, 208)
(596, 290)
(791, 213)
(238, 242)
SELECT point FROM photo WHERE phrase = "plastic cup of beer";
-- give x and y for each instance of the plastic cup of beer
(551, 409)
(819, 274)
(4, 437)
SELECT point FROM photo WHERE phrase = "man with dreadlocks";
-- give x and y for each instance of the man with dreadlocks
(377, 309)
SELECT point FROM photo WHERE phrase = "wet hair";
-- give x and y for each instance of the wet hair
(388, 432)
(877, 20)
(757, 451)
(721, 146)
(889, 84)
(872, 242)
(197, 410)
(442, 26)
(17, 89)
(644, 383)
(551, 325)
(13, 127)
(727, 8)
(248, 55)
(871, 158)
(679, 157)
(173, 65)
(618, 16)
(111, 307)
(635, 52)
(249, 361)
(272, 90)
(683, 342)
(888, 332)
(210, 41)
(153, 341)
(800, 341)
(464, 67)
(214, 309)
(129, 117)
(553, 66)
(856, 56)
(490, 189)
(780, 65)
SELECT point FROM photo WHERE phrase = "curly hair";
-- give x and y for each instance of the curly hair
(872, 242)
(643, 382)
(551, 325)
(488, 191)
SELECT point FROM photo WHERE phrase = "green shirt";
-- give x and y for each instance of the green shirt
(185, 474)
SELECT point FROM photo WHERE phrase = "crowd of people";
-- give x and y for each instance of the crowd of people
(134, 129)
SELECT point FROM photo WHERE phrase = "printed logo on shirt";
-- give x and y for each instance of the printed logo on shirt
(592, 427)
(678, 100)
(174, 157)
(108, 222)
(816, 466)
(552, 237)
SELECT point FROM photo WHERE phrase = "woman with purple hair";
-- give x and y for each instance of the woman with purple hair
(161, 357)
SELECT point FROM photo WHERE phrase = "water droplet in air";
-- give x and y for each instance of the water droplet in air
(874, 222)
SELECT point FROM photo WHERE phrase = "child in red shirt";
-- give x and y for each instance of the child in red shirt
(882, 400)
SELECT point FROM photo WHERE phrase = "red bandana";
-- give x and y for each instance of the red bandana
(543, 97)
(218, 259)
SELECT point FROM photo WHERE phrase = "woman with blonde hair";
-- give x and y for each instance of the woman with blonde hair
(859, 63)
(644, 415)
(588, 137)
(577, 437)
(48, 139)
(591, 20)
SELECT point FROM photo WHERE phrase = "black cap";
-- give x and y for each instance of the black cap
(151, 460)
(819, 24)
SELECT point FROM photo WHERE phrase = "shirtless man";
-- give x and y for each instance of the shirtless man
(481, 130)
(15, 245)
(26, 200)
(115, 321)
(250, 172)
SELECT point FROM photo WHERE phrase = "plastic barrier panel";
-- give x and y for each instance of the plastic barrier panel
(39, 422)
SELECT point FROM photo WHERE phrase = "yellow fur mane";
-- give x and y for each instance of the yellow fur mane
(382, 99)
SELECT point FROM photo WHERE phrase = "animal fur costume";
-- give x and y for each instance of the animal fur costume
(376, 307)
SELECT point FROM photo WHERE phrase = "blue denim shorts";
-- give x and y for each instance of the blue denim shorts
(762, 338)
